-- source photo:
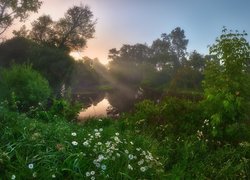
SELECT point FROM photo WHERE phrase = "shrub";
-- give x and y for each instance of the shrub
(64, 108)
(227, 84)
(172, 116)
(23, 87)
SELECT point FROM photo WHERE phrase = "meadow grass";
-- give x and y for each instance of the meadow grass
(96, 149)
(127, 148)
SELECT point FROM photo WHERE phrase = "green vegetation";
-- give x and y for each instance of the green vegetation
(182, 129)
(59, 149)
(23, 87)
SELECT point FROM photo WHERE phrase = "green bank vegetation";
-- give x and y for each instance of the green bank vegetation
(199, 128)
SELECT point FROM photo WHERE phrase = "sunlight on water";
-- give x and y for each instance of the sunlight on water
(99, 110)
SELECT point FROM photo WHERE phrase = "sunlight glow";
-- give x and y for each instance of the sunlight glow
(76, 55)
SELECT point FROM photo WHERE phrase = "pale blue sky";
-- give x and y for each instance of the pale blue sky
(142, 21)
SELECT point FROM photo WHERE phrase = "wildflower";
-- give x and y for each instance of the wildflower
(31, 166)
(87, 174)
(149, 157)
(53, 176)
(143, 153)
(140, 162)
(143, 169)
(117, 134)
(73, 134)
(130, 156)
(13, 176)
(107, 144)
(130, 167)
(117, 139)
(100, 120)
(92, 178)
(85, 143)
(131, 143)
(99, 143)
(118, 154)
(97, 165)
(96, 130)
(101, 129)
(74, 143)
(138, 149)
(92, 173)
(97, 134)
(126, 151)
(100, 157)
(104, 167)
(34, 174)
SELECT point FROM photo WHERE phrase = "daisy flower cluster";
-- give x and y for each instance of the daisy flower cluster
(115, 149)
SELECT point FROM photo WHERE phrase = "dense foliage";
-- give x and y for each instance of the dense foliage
(187, 134)
(54, 64)
(163, 64)
(227, 86)
(22, 87)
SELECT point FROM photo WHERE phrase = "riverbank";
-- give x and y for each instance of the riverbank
(133, 147)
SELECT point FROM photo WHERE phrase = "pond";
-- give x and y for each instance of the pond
(103, 104)
(98, 110)
(112, 103)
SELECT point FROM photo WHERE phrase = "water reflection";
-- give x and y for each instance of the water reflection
(96, 110)
(110, 103)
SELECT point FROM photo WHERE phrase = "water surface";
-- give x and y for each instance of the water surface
(96, 110)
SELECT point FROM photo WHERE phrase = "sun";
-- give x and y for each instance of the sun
(76, 55)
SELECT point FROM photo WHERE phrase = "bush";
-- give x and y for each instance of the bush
(227, 85)
(63, 108)
(23, 87)
(172, 116)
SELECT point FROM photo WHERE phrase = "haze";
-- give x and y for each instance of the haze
(142, 21)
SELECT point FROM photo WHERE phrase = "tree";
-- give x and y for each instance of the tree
(75, 28)
(170, 49)
(16, 9)
(42, 30)
(69, 33)
(186, 78)
(196, 61)
(126, 64)
(22, 32)
(178, 42)
(227, 85)
(53, 63)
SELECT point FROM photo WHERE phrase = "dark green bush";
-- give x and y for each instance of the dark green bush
(172, 116)
(23, 87)
(66, 109)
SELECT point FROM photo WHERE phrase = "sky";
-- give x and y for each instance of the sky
(143, 21)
